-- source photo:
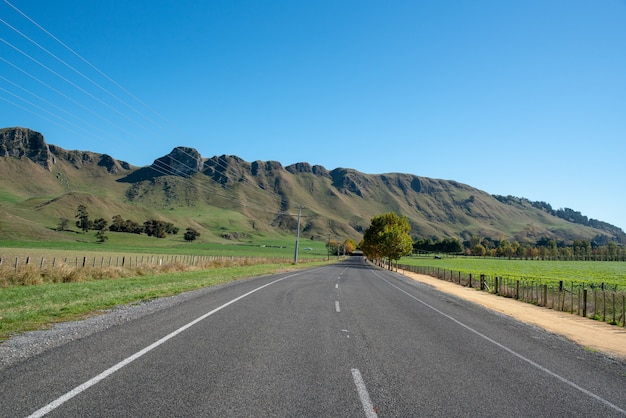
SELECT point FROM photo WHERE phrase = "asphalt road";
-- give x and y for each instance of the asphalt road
(345, 340)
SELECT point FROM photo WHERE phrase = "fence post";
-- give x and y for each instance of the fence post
(585, 303)
(544, 298)
(603, 304)
(470, 280)
(613, 300)
(496, 285)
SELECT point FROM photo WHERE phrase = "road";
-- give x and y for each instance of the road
(344, 340)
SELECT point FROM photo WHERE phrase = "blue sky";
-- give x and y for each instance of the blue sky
(523, 98)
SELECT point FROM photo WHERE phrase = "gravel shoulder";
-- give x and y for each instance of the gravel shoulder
(590, 334)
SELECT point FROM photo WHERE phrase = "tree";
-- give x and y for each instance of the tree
(154, 228)
(63, 223)
(101, 235)
(349, 245)
(333, 247)
(387, 237)
(83, 218)
(100, 224)
(191, 234)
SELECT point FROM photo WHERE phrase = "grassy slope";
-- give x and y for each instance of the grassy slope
(263, 206)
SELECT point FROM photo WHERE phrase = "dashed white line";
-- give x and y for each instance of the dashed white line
(364, 396)
(337, 286)
(337, 306)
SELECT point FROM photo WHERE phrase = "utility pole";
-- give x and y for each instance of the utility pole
(328, 249)
(295, 254)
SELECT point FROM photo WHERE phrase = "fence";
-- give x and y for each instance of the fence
(27, 270)
(595, 301)
(16, 263)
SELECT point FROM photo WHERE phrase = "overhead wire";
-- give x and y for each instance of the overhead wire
(157, 165)
(76, 71)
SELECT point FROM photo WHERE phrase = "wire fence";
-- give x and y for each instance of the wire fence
(27, 270)
(16, 263)
(590, 300)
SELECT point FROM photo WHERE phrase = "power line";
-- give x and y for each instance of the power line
(157, 166)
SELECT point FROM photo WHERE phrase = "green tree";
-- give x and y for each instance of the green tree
(83, 221)
(388, 237)
(479, 250)
(101, 235)
(100, 224)
(191, 234)
(154, 228)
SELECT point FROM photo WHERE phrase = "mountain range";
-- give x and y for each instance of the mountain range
(226, 198)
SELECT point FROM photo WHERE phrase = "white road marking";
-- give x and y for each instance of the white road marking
(337, 306)
(81, 388)
(337, 286)
(509, 350)
(364, 396)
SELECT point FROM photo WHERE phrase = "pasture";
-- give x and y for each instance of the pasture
(42, 284)
(612, 273)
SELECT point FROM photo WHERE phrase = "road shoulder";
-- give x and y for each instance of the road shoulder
(592, 335)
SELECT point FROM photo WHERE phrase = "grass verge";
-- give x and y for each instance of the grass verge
(26, 308)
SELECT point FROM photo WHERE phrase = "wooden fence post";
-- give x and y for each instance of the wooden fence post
(585, 303)
(613, 300)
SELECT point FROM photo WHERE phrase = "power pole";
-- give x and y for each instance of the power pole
(295, 254)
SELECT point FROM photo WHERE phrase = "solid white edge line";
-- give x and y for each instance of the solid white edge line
(337, 306)
(81, 388)
(510, 351)
(364, 396)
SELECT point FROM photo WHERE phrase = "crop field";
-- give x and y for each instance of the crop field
(611, 273)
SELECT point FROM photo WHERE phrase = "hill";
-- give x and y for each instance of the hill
(225, 198)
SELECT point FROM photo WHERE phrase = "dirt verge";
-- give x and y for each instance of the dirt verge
(593, 335)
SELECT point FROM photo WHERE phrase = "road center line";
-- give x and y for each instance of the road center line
(509, 350)
(81, 388)
(337, 286)
(364, 396)
(337, 306)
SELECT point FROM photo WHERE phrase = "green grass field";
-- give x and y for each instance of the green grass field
(129, 244)
(610, 272)
(24, 308)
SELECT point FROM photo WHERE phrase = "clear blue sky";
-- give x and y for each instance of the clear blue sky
(523, 98)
